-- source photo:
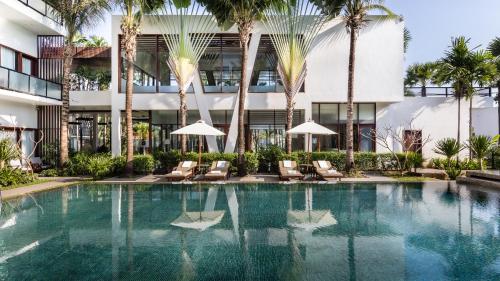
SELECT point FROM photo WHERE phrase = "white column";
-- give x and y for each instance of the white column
(199, 96)
(233, 129)
(116, 147)
(232, 202)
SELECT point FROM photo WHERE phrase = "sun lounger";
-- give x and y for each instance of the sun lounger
(184, 170)
(218, 171)
(16, 164)
(325, 170)
(288, 170)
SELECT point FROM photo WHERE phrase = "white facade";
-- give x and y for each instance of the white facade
(378, 81)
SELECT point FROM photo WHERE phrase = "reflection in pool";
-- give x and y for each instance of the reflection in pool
(431, 231)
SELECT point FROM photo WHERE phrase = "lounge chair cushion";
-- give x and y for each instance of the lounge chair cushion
(215, 172)
(332, 171)
(186, 164)
(221, 164)
(287, 163)
(292, 172)
(322, 164)
(176, 172)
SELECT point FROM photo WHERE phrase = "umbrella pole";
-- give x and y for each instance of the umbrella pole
(199, 150)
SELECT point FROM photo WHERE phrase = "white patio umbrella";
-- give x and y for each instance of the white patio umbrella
(310, 219)
(200, 128)
(310, 128)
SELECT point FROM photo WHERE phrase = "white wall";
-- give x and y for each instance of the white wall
(379, 63)
(14, 114)
(16, 37)
(485, 121)
(435, 116)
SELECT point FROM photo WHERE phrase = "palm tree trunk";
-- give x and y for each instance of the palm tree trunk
(424, 91)
(289, 121)
(498, 108)
(244, 33)
(129, 45)
(63, 137)
(458, 120)
(470, 123)
(349, 165)
(183, 115)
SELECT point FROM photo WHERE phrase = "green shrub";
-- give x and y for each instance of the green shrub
(99, 166)
(118, 164)
(414, 161)
(465, 164)
(269, 157)
(9, 176)
(453, 171)
(336, 158)
(8, 151)
(366, 161)
(143, 164)
(49, 173)
(167, 160)
(252, 162)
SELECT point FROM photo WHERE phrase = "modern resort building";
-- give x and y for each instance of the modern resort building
(31, 44)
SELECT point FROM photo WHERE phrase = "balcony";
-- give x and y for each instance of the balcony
(43, 8)
(447, 92)
(27, 84)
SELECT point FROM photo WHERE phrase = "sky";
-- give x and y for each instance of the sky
(432, 24)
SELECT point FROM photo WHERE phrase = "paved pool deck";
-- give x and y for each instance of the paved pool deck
(152, 179)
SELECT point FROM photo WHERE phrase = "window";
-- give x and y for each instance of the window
(334, 117)
(220, 65)
(8, 58)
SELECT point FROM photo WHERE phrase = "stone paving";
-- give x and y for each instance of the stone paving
(57, 182)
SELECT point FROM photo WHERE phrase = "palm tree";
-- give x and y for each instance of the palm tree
(133, 12)
(243, 13)
(448, 147)
(463, 67)
(406, 39)
(494, 48)
(77, 15)
(293, 28)
(453, 68)
(483, 71)
(96, 41)
(355, 16)
(420, 74)
(186, 39)
(481, 145)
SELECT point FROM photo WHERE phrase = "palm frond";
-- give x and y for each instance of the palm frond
(293, 28)
(187, 31)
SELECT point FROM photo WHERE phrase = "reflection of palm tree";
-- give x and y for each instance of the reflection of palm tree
(130, 226)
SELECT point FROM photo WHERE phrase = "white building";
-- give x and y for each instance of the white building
(96, 116)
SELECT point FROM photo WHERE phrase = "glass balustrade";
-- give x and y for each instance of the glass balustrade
(20, 82)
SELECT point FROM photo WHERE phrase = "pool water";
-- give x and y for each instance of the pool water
(430, 231)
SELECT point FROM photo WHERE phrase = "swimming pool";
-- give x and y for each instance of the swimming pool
(429, 231)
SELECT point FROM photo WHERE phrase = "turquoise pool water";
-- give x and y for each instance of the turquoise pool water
(431, 231)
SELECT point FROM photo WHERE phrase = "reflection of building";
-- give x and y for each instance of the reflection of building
(375, 241)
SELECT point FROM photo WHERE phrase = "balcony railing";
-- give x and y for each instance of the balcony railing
(447, 91)
(43, 8)
(27, 84)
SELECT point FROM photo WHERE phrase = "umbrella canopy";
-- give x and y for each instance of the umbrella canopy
(310, 220)
(198, 220)
(199, 128)
(310, 127)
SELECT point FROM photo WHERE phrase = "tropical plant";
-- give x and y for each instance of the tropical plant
(420, 74)
(141, 131)
(96, 41)
(448, 147)
(243, 13)
(463, 67)
(133, 13)
(480, 146)
(76, 15)
(293, 27)
(406, 39)
(8, 151)
(355, 15)
(494, 49)
(187, 38)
